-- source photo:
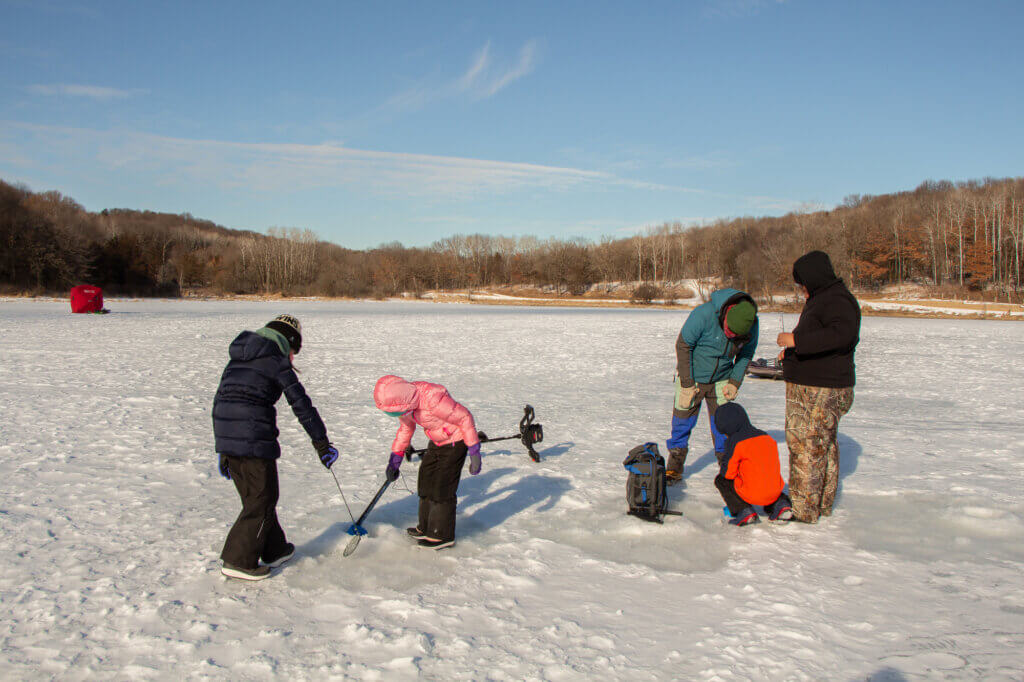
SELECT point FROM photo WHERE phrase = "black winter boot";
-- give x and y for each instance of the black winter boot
(258, 573)
(287, 552)
(435, 544)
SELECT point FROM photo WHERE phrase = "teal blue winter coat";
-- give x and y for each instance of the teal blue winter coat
(704, 354)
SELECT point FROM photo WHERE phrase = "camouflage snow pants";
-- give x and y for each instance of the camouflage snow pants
(812, 434)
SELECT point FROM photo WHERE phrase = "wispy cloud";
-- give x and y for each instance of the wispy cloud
(655, 186)
(117, 156)
(484, 77)
(626, 159)
(413, 98)
(476, 69)
(97, 92)
(269, 167)
(489, 82)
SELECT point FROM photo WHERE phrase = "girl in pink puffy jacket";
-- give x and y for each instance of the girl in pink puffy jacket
(452, 433)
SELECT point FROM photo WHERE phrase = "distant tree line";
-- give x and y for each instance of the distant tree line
(967, 236)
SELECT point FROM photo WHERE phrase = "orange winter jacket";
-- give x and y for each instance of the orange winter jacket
(754, 466)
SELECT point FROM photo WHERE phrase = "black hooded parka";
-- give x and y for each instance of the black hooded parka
(829, 328)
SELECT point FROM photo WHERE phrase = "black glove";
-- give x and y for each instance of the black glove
(222, 464)
(327, 452)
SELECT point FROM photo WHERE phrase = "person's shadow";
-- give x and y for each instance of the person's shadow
(524, 493)
(506, 501)
(519, 449)
(702, 462)
(849, 457)
(886, 674)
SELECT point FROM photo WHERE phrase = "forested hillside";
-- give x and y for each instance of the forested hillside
(959, 237)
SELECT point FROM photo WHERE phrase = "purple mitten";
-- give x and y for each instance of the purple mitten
(393, 463)
(474, 459)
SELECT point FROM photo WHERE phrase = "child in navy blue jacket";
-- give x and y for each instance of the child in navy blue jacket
(245, 430)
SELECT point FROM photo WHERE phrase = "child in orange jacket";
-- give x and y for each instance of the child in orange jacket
(750, 469)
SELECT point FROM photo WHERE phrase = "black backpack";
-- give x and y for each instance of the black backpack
(645, 485)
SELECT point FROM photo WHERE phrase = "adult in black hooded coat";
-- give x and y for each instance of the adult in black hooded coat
(818, 366)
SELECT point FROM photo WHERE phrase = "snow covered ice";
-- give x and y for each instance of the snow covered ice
(112, 514)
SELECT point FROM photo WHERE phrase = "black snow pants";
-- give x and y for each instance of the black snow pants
(256, 534)
(727, 487)
(438, 485)
(736, 504)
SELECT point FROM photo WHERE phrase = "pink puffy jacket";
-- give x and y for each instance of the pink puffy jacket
(429, 405)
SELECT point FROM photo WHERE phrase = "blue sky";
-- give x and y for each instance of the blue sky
(375, 122)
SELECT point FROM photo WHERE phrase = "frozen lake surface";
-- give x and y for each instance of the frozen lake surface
(112, 515)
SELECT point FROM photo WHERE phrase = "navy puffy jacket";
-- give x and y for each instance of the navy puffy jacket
(244, 418)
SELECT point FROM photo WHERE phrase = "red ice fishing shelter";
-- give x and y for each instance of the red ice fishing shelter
(86, 298)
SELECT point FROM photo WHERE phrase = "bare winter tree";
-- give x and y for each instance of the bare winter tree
(968, 235)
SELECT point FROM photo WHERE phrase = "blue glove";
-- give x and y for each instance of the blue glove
(222, 464)
(329, 457)
(474, 459)
(393, 463)
(328, 453)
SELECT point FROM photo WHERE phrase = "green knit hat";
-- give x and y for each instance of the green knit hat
(740, 317)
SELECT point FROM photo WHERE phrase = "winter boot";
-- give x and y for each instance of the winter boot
(435, 544)
(415, 533)
(288, 553)
(745, 518)
(676, 460)
(783, 513)
(258, 573)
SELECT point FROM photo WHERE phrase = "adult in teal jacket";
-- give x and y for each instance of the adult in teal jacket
(714, 347)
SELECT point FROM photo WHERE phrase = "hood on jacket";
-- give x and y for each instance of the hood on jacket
(731, 419)
(814, 271)
(395, 394)
(250, 345)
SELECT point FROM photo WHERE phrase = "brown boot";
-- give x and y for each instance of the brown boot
(676, 461)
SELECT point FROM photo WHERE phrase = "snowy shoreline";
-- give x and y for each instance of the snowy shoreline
(869, 307)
